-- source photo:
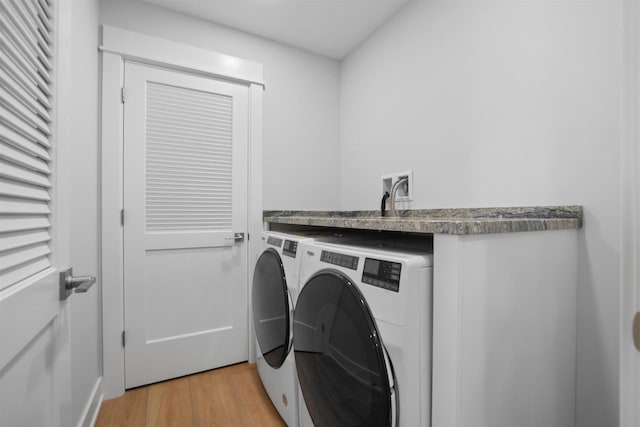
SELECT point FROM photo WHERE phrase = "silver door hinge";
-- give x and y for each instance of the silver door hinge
(123, 338)
(122, 95)
(636, 331)
(121, 216)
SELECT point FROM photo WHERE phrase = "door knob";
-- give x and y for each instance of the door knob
(237, 237)
(70, 283)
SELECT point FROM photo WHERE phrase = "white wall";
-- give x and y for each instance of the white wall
(503, 104)
(301, 136)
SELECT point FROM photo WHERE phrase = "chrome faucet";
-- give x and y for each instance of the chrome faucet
(392, 198)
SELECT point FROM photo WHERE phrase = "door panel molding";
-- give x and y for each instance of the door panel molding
(40, 290)
(117, 46)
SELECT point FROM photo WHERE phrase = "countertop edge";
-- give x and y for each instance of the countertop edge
(463, 221)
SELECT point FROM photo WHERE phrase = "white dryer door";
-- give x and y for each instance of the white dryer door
(272, 308)
(345, 375)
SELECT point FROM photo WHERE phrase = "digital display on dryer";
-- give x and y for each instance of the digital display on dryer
(372, 266)
(290, 248)
(382, 274)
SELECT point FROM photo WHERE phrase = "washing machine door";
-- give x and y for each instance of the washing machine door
(344, 371)
(272, 308)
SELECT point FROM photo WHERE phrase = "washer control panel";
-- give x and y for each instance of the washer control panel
(341, 260)
(274, 241)
(383, 274)
(290, 248)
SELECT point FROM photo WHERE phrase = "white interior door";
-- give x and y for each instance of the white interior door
(185, 195)
(35, 371)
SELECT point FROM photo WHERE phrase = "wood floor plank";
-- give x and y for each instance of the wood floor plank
(134, 408)
(270, 414)
(227, 397)
(209, 399)
(129, 410)
(257, 407)
(106, 415)
(170, 404)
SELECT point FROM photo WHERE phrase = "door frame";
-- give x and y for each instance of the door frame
(629, 372)
(118, 45)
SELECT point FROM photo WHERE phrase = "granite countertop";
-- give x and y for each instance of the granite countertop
(440, 221)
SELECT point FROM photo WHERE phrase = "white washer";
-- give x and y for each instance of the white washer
(274, 294)
(363, 328)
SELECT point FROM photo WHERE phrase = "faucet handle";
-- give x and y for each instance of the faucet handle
(383, 203)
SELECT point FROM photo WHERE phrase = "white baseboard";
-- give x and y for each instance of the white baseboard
(92, 408)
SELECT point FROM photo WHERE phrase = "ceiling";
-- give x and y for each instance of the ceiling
(327, 27)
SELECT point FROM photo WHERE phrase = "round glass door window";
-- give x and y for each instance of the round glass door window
(271, 308)
(344, 373)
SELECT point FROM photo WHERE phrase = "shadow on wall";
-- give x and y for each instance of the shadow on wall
(596, 333)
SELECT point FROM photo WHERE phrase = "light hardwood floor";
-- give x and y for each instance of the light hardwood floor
(230, 396)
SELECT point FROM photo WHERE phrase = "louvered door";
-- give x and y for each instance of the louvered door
(185, 178)
(35, 377)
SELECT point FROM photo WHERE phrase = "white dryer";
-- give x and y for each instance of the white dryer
(363, 328)
(275, 289)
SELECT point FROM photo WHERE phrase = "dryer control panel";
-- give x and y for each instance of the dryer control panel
(383, 274)
(290, 248)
